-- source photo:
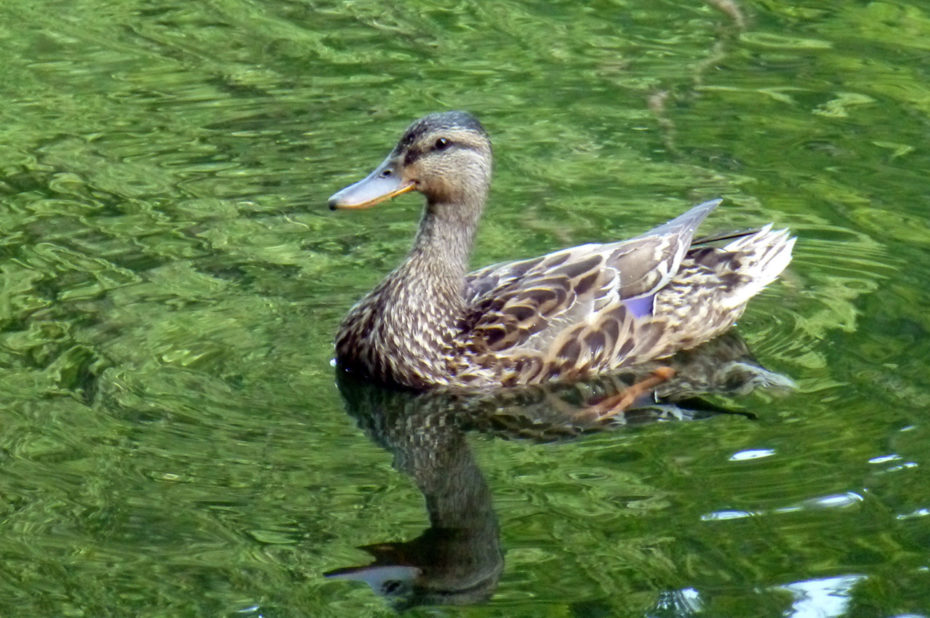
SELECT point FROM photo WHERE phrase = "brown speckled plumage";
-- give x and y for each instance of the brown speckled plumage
(567, 315)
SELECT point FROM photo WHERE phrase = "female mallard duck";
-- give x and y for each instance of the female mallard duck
(564, 316)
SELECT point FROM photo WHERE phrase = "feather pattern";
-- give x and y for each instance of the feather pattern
(568, 315)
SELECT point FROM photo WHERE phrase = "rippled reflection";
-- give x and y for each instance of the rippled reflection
(458, 559)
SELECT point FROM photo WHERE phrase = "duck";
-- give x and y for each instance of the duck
(569, 315)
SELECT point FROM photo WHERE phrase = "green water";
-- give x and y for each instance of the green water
(172, 442)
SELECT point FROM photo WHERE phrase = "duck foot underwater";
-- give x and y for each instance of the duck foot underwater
(609, 407)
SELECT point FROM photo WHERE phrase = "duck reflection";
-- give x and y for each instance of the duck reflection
(458, 560)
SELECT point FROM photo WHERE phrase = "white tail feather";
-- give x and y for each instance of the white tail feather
(764, 255)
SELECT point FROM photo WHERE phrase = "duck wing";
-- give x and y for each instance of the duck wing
(526, 305)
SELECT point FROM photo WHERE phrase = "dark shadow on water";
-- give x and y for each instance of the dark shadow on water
(458, 559)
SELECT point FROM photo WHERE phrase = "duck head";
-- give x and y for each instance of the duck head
(444, 156)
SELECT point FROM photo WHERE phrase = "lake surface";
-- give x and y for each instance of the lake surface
(172, 440)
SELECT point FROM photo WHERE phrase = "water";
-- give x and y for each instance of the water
(172, 441)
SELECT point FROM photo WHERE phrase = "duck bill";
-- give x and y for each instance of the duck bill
(380, 185)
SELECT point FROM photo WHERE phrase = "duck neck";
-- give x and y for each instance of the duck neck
(434, 271)
(443, 243)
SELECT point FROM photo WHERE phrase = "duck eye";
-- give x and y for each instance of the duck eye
(390, 586)
(441, 144)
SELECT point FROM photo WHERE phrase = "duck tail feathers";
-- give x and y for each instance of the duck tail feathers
(758, 259)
